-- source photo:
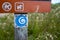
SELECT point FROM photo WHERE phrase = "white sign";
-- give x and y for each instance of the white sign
(6, 6)
(19, 6)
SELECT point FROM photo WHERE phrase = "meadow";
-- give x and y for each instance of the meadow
(41, 26)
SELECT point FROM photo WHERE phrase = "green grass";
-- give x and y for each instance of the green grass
(42, 26)
(6, 28)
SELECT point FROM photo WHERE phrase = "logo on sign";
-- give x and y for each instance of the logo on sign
(19, 6)
(6, 6)
(21, 20)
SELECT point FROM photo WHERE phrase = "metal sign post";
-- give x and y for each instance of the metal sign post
(20, 25)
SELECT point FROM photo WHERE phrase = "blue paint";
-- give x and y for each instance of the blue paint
(21, 20)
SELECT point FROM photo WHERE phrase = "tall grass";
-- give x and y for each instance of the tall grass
(6, 28)
(42, 26)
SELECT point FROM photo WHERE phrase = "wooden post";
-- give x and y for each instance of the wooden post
(21, 33)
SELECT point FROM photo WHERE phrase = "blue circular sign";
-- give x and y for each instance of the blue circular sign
(21, 20)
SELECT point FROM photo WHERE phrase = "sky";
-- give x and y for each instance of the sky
(55, 1)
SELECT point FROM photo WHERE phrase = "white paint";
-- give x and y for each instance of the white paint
(19, 6)
(37, 8)
(21, 21)
(6, 6)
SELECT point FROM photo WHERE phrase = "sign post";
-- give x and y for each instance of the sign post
(20, 8)
(20, 26)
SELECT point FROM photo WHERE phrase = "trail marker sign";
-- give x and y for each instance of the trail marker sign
(20, 20)
(21, 26)
(24, 6)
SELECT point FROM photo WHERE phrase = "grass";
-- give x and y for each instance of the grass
(42, 26)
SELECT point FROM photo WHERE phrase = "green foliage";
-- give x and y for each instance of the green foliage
(6, 28)
(42, 26)
(45, 26)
